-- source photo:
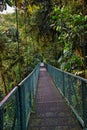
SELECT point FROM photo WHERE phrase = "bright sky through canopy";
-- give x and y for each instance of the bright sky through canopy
(8, 10)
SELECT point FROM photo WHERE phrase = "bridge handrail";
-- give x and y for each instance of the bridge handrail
(13, 109)
(85, 80)
(74, 89)
(8, 97)
(29, 85)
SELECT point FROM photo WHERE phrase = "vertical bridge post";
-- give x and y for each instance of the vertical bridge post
(1, 119)
(84, 103)
(63, 84)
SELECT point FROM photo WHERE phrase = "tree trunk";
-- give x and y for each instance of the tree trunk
(4, 84)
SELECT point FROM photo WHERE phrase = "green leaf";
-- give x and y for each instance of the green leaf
(57, 28)
(85, 17)
(53, 17)
(57, 10)
(9, 2)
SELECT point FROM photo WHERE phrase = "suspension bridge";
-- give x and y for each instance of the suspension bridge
(47, 99)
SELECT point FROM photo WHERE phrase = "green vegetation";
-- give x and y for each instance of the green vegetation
(55, 31)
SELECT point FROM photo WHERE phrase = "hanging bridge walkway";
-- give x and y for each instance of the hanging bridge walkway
(46, 101)
(51, 110)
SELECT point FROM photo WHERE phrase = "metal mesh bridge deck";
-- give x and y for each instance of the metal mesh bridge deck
(51, 112)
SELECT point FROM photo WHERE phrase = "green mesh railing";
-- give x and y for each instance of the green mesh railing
(74, 89)
(15, 108)
(10, 111)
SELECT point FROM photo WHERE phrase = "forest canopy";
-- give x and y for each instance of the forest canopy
(54, 31)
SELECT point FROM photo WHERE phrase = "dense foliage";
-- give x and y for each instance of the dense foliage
(49, 30)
